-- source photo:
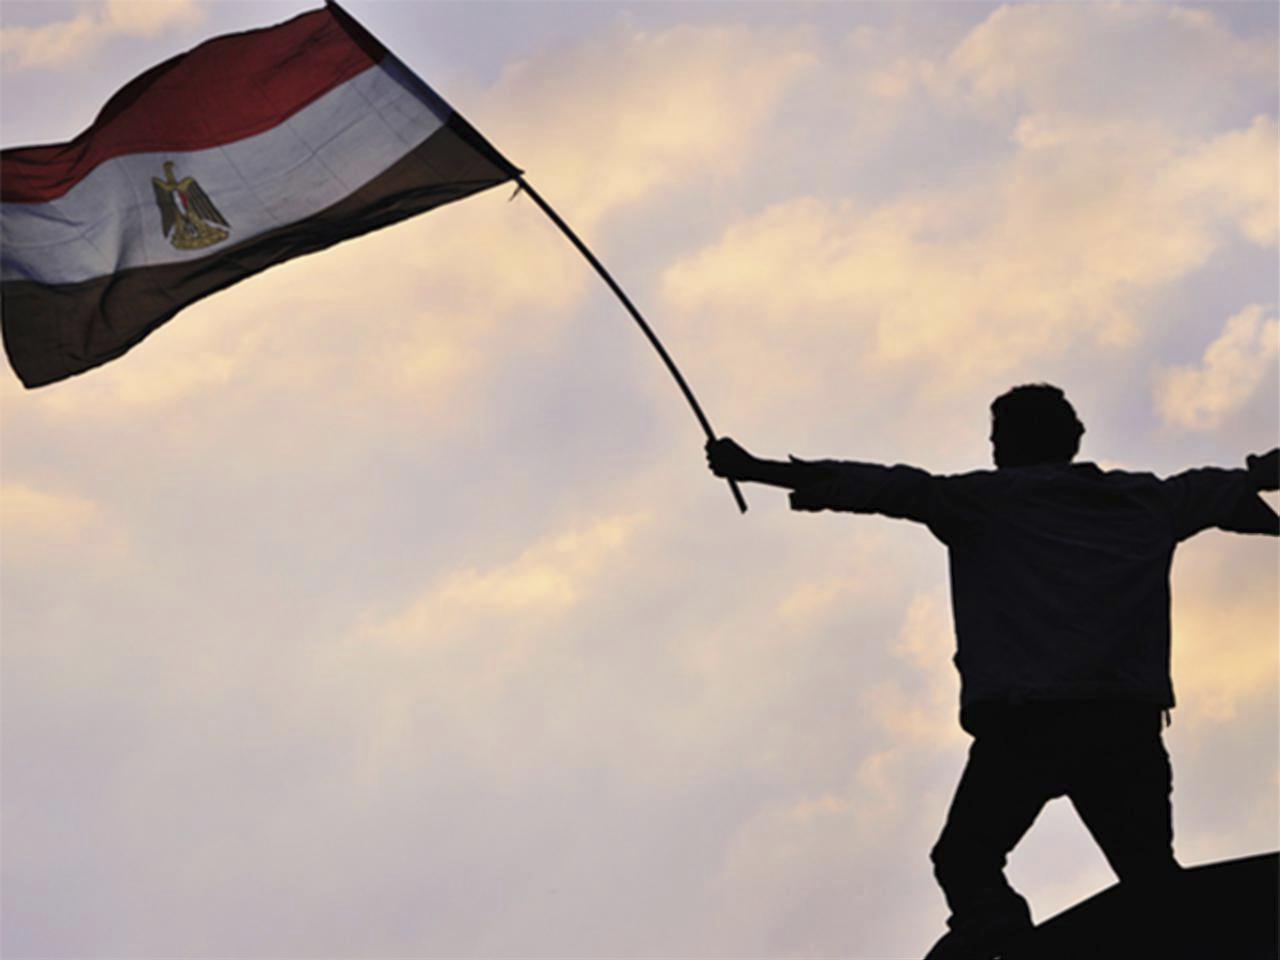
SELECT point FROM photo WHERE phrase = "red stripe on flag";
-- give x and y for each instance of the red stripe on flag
(226, 89)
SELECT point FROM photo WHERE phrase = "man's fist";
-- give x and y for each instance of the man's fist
(727, 459)
(809, 498)
(1264, 468)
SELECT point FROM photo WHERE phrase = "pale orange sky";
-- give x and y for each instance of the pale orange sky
(382, 605)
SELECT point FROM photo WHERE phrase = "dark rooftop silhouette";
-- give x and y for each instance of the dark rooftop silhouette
(1222, 910)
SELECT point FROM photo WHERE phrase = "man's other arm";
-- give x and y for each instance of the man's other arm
(903, 492)
(1226, 499)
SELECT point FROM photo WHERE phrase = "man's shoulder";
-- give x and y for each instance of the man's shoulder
(1114, 475)
(1050, 475)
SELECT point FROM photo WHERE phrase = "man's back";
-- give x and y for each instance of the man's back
(1059, 573)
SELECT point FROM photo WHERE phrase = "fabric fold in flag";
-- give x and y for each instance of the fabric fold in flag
(248, 150)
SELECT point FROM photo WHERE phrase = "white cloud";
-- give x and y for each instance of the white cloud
(1224, 651)
(613, 120)
(1235, 177)
(44, 528)
(1202, 396)
(63, 42)
(29, 516)
(918, 709)
(475, 638)
(1111, 60)
(548, 578)
(1064, 244)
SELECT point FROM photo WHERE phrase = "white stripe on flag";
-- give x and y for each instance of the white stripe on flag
(110, 220)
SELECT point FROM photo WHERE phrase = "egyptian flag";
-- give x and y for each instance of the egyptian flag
(242, 153)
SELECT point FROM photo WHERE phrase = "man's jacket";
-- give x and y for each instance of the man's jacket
(1059, 574)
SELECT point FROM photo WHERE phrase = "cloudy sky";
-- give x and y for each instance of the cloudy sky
(381, 606)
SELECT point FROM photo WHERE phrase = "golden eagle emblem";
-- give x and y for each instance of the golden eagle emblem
(188, 217)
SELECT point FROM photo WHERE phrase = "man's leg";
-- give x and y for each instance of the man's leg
(1121, 783)
(999, 797)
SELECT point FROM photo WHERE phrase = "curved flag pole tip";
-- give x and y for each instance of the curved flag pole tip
(522, 184)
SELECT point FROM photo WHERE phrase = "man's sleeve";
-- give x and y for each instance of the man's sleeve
(907, 493)
(1212, 497)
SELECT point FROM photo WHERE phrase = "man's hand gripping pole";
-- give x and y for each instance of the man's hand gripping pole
(635, 315)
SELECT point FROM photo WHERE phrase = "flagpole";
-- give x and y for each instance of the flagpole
(635, 315)
(478, 142)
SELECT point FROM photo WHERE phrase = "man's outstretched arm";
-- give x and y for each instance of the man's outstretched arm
(843, 485)
(728, 459)
(1251, 513)
(1226, 499)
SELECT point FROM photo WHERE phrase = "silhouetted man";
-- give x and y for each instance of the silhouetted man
(1060, 593)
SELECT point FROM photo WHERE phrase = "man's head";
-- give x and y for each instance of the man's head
(1034, 424)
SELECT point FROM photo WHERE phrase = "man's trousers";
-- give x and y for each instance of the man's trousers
(1108, 758)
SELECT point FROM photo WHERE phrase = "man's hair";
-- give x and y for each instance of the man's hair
(1033, 424)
